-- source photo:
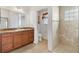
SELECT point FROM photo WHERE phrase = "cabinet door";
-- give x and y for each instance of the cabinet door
(7, 47)
(31, 36)
(7, 42)
(17, 39)
(24, 37)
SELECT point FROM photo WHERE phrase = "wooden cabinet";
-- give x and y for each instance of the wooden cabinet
(8, 47)
(24, 37)
(17, 39)
(10, 41)
(0, 43)
(30, 35)
(7, 42)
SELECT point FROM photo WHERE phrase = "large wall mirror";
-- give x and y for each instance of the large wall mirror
(11, 19)
(22, 20)
(3, 22)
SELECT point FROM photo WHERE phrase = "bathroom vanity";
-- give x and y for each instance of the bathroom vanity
(11, 39)
(13, 31)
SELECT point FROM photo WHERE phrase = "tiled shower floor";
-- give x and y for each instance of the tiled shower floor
(62, 48)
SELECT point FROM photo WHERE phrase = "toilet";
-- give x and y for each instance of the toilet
(40, 37)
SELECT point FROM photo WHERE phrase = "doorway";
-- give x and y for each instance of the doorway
(42, 26)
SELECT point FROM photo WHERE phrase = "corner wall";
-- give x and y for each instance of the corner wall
(55, 25)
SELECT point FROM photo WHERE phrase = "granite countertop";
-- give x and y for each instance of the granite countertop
(14, 30)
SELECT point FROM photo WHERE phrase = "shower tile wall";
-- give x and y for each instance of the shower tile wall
(69, 30)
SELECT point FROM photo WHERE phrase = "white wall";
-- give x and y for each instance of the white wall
(33, 23)
(50, 38)
(55, 25)
(53, 17)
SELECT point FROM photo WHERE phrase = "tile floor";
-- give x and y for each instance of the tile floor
(32, 48)
(63, 48)
(42, 48)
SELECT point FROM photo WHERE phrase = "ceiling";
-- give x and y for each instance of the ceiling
(24, 8)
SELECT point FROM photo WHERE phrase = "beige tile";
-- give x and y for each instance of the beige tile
(63, 48)
(42, 48)
(32, 48)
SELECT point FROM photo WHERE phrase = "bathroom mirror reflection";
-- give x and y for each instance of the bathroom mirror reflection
(42, 24)
(3, 22)
(22, 21)
(11, 19)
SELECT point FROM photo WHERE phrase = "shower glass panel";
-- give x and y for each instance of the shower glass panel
(70, 28)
